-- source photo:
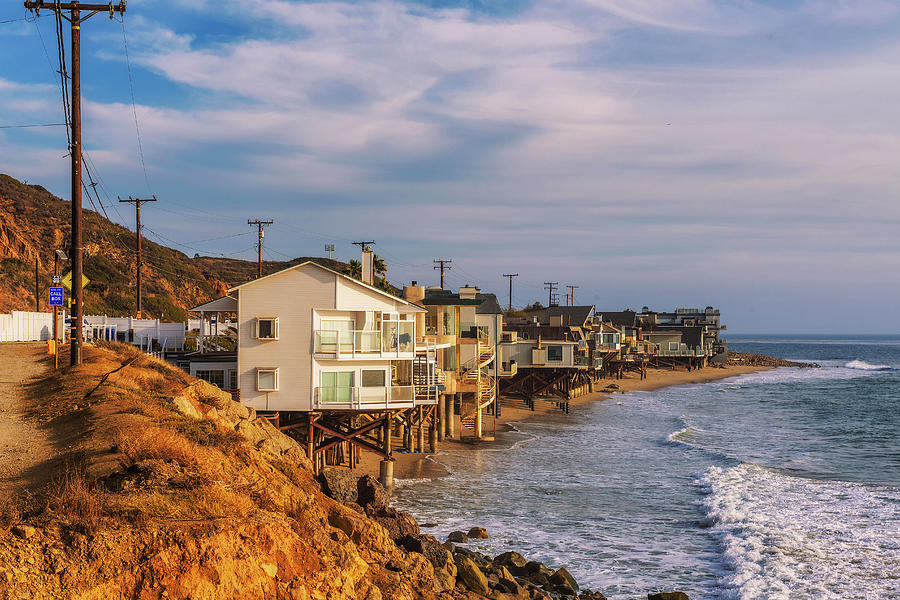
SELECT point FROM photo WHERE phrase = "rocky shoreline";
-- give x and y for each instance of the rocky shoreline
(459, 572)
(761, 360)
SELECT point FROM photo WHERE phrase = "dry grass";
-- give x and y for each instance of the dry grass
(207, 433)
(212, 501)
(74, 499)
(161, 443)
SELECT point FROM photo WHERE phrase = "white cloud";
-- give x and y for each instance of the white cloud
(445, 130)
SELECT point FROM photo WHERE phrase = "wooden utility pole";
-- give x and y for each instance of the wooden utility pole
(261, 234)
(75, 18)
(510, 277)
(137, 234)
(571, 294)
(443, 262)
(550, 285)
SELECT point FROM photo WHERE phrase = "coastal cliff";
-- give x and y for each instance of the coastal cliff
(161, 486)
(166, 488)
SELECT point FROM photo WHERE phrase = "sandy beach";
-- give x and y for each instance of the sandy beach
(418, 465)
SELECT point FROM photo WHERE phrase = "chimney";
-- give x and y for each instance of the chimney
(368, 266)
(467, 292)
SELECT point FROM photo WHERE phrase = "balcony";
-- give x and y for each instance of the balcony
(365, 397)
(392, 340)
(509, 369)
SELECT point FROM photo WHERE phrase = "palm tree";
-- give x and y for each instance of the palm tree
(354, 269)
(379, 266)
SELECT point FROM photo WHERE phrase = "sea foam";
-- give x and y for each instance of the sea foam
(864, 366)
(788, 537)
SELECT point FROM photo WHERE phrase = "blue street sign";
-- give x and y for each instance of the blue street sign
(56, 296)
(56, 279)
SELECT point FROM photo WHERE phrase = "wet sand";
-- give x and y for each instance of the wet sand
(420, 465)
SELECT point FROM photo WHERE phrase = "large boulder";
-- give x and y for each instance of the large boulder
(667, 596)
(339, 484)
(478, 533)
(457, 537)
(507, 584)
(370, 492)
(443, 580)
(563, 577)
(471, 576)
(512, 560)
(589, 595)
(397, 523)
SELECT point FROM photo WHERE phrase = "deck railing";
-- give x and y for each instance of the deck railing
(364, 397)
(396, 337)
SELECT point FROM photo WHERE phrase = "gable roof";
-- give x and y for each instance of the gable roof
(220, 304)
(489, 305)
(619, 318)
(415, 307)
(571, 315)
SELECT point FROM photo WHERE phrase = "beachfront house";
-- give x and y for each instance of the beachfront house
(321, 352)
(465, 328)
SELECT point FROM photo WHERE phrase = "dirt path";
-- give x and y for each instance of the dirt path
(24, 446)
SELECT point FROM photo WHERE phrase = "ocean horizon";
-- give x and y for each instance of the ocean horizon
(777, 484)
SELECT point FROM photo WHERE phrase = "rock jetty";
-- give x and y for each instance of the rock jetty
(761, 360)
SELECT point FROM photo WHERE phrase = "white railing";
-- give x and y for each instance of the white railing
(395, 338)
(364, 397)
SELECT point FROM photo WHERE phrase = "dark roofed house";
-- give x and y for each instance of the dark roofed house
(624, 318)
(563, 316)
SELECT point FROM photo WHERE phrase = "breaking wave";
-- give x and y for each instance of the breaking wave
(786, 537)
(862, 365)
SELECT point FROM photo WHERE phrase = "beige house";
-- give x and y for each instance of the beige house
(313, 339)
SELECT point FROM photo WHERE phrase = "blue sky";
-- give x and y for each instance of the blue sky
(653, 152)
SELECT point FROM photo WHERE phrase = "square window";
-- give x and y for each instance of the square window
(554, 353)
(215, 377)
(372, 378)
(267, 380)
(267, 328)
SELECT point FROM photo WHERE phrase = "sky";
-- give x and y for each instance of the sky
(664, 153)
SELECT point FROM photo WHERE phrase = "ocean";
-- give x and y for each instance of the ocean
(782, 484)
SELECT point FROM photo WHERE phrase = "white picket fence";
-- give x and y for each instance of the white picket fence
(20, 326)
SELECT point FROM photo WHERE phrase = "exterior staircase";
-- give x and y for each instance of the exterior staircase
(479, 374)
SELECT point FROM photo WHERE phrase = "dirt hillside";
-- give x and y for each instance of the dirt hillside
(167, 488)
(34, 224)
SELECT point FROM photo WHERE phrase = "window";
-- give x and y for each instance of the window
(337, 386)
(372, 378)
(673, 346)
(554, 353)
(448, 315)
(232, 380)
(215, 377)
(267, 328)
(267, 379)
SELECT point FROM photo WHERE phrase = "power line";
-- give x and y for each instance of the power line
(549, 285)
(33, 125)
(442, 262)
(137, 128)
(261, 234)
(137, 232)
(510, 276)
